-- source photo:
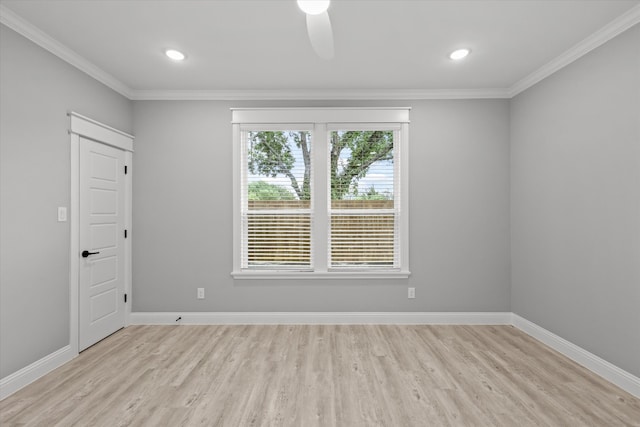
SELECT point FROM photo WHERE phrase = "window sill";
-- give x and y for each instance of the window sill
(331, 275)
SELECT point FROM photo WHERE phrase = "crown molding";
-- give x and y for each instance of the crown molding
(42, 39)
(600, 37)
(316, 94)
(606, 33)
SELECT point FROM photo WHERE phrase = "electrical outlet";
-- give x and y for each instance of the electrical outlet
(200, 293)
(411, 293)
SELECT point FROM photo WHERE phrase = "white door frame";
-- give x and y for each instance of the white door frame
(81, 126)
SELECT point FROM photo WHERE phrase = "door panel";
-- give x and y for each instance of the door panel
(104, 270)
(103, 236)
(104, 167)
(103, 305)
(103, 202)
(102, 281)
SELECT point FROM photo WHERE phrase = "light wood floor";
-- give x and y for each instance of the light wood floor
(296, 375)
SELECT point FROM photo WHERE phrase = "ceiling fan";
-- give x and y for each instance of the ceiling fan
(318, 26)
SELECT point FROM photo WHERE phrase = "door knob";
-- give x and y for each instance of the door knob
(87, 253)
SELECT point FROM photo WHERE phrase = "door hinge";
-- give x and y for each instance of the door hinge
(125, 298)
(125, 234)
(125, 169)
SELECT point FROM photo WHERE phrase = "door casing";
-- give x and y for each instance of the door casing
(96, 131)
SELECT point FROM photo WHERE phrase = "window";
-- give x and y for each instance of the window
(276, 200)
(363, 207)
(320, 193)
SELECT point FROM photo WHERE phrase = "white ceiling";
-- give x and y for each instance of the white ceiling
(262, 44)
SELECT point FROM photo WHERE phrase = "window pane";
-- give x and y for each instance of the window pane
(277, 196)
(363, 218)
(361, 164)
(278, 240)
(279, 169)
(363, 240)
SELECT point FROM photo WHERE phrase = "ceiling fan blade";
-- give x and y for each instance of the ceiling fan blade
(321, 34)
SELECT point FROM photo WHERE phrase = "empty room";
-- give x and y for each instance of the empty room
(320, 213)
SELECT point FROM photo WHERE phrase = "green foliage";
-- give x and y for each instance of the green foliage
(261, 190)
(371, 194)
(270, 155)
(366, 148)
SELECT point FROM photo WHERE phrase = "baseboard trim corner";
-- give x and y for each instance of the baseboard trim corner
(321, 318)
(610, 372)
(25, 376)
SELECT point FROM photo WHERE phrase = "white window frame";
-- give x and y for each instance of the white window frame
(321, 121)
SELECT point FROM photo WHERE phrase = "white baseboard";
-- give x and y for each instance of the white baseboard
(320, 318)
(14, 382)
(623, 379)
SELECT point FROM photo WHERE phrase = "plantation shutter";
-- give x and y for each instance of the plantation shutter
(365, 200)
(276, 196)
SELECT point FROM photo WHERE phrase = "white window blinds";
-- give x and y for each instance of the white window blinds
(364, 204)
(276, 200)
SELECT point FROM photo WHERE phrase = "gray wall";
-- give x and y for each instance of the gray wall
(459, 214)
(37, 91)
(575, 177)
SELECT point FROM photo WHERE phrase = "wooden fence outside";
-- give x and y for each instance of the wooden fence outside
(356, 239)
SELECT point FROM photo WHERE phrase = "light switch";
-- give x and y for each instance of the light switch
(62, 214)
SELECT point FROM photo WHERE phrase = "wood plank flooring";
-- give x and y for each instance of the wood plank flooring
(301, 375)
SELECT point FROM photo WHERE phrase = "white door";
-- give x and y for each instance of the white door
(102, 218)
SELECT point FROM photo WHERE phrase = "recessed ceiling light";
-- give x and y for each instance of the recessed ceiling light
(459, 54)
(313, 7)
(174, 54)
